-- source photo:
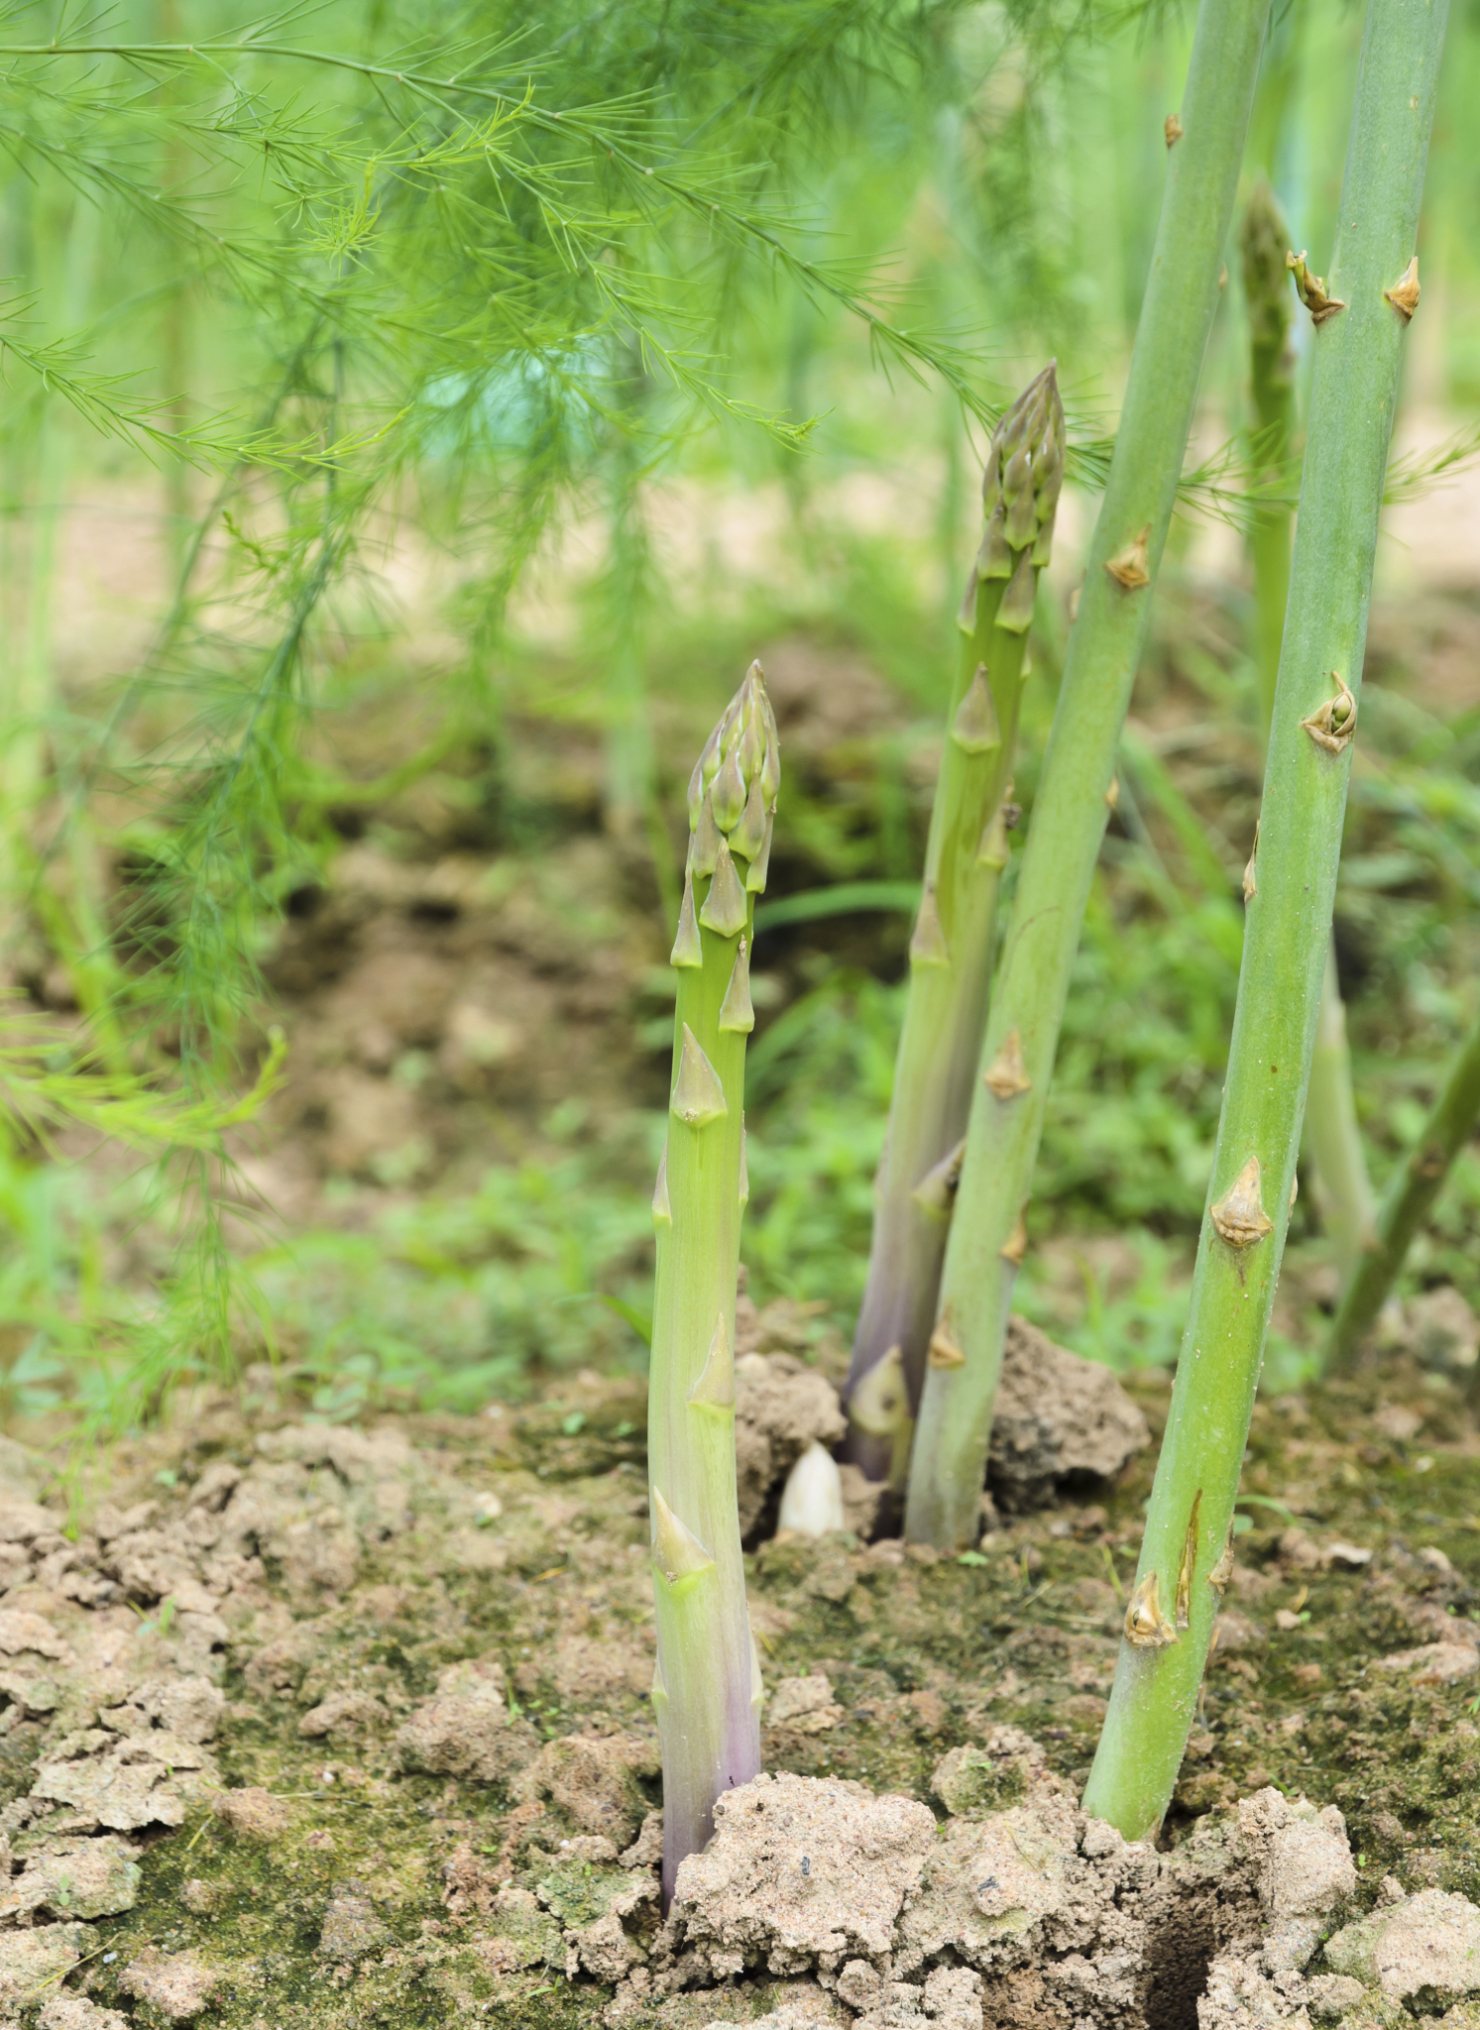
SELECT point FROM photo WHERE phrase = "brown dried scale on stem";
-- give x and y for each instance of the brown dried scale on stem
(1311, 289)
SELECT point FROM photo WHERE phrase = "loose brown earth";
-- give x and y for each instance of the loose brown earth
(315, 1726)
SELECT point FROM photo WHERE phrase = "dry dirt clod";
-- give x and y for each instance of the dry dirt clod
(972, 1780)
(800, 1870)
(805, 1704)
(1424, 1947)
(76, 2012)
(465, 1729)
(1434, 1663)
(254, 1813)
(73, 1878)
(351, 1929)
(342, 1713)
(594, 1779)
(178, 1985)
(1060, 1422)
(646, 1850)
(33, 1962)
(781, 1407)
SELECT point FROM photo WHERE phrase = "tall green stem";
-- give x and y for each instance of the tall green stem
(1333, 1143)
(1332, 1140)
(1185, 1558)
(986, 1241)
(706, 1689)
(1265, 242)
(1413, 1190)
(951, 951)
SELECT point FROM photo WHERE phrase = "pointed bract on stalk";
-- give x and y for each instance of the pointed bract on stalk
(1354, 390)
(987, 1237)
(715, 1388)
(704, 1687)
(951, 947)
(736, 1012)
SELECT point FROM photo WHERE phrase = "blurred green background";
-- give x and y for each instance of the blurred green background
(397, 479)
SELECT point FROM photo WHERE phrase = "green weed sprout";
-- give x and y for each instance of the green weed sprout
(951, 950)
(1335, 1163)
(707, 1685)
(1415, 1186)
(1360, 316)
(988, 1239)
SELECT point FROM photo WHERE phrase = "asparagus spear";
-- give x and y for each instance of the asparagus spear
(707, 1687)
(951, 951)
(1333, 1144)
(1415, 1186)
(987, 1237)
(1185, 1555)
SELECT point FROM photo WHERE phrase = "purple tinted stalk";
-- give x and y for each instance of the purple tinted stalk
(951, 950)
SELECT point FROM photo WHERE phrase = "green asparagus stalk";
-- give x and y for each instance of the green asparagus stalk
(1265, 242)
(1335, 1160)
(1185, 1555)
(707, 1686)
(987, 1238)
(1414, 1188)
(951, 951)
(1332, 1141)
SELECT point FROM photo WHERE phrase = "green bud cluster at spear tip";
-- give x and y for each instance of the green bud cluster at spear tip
(951, 951)
(707, 1686)
(987, 1237)
(1361, 315)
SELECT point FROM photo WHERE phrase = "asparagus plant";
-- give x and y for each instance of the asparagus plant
(987, 1237)
(951, 950)
(1185, 1556)
(1335, 1161)
(1413, 1190)
(707, 1685)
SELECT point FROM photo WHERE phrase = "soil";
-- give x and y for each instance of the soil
(318, 1725)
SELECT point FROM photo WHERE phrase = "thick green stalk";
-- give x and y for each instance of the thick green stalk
(1333, 1143)
(986, 1240)
(706, 1689)
(951, 950)
(1185, 1555)
(1413, 1190)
